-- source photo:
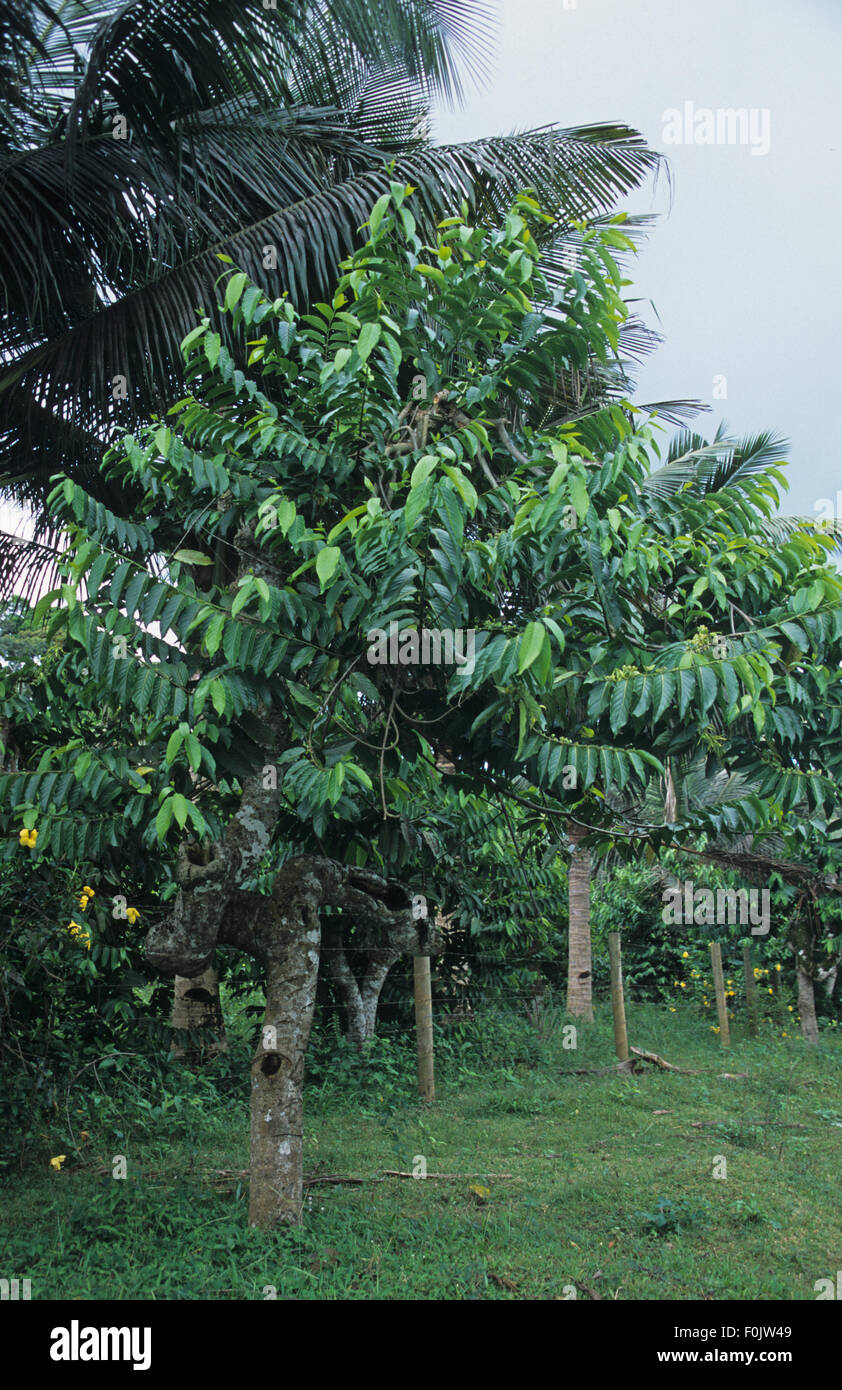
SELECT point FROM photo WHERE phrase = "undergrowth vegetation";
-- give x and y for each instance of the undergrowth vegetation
(547, 1177)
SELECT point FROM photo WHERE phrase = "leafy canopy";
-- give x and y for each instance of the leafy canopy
(395, 457)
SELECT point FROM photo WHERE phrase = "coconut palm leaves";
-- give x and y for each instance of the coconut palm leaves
(141, 140)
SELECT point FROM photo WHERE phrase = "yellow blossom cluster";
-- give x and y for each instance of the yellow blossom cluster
(28, 839)
(132, 914)
(86, 896)
(80, 934)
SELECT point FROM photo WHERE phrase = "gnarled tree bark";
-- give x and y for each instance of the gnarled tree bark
(283, 932)
(197, 1009)
(361, 994)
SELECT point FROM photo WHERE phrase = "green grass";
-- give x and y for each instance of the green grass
(604, 1195)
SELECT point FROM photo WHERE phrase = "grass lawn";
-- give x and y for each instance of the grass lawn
(599, 1184)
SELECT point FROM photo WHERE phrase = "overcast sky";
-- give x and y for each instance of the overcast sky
(744, 270)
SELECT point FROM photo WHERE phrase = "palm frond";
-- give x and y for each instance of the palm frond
(68, 377)
(28, 567)
(779, 529)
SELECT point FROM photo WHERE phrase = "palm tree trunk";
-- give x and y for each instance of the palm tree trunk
(579, 976)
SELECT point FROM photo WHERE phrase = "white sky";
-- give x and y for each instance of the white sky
(745, 271)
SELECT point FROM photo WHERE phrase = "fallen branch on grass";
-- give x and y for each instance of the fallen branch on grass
(396, 1173)
(660, 1062)
(327, 1179)
(748, 1124)
(600, 1071)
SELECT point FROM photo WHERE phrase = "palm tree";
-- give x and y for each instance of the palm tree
(701, 466)
(140, 140)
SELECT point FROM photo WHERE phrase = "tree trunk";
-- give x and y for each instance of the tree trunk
(342, 976)
(807, 1006)
(804, 948)
(362, 997)
(197, 1008)
(579, 977)
(276, 1189)
(283, 932)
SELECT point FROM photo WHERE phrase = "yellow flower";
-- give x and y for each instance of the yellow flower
(685, 955)
(672, 1009)
(757, 973)
(83, 902)
(90, 892)
(778, 967)
(132, 914)
(789, 1006)
(770, 991)
(57, 1161)
(784, 1035)
(683, 985)
(28, 838)
(714, 1028)
(73, 928)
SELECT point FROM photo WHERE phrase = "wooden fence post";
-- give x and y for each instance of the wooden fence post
(751, 990)
(424, 1027)
(719, 986)
(621, 1037)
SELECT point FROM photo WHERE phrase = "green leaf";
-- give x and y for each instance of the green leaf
(194, 752)
(247, 588)
(378, 212)
(193, 337)
(217, 694)
(431, 273)
(463, 486)
(335, 779)
(686, 687)
(579, 496)
(416, 503)
(326, 562)
(213, 634)
(234, 289)
(163, 820)
(173, 745)
(422, 470)
(192, 557)
(530, 646)
(621, 703)
(708, 687)
(368, 340)
(664, 687)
